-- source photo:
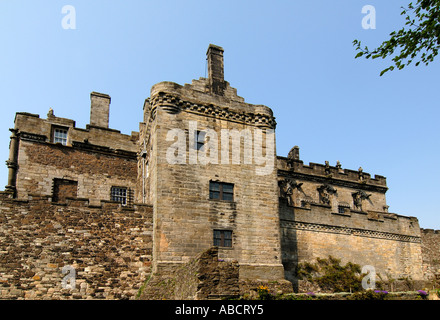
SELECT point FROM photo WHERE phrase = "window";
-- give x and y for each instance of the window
(343, 208)
(221, 191)
(199, 140)
(119, 194)
(223, 238)
(60, 135)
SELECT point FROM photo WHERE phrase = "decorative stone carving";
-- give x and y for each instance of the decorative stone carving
(361, 174)
(350, 231)
(327, 168)
(339, 167)
(170, 107)
(324, 193)
(286, 189)
(293, 153)
(174, 104)
(358, 197)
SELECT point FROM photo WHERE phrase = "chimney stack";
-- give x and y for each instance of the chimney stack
(216, 69)
(99, 109)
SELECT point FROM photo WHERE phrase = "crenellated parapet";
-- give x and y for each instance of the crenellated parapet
(292, 166)
(341, 190)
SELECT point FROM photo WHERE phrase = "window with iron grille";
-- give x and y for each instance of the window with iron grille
(223, 238)
(221, 191)
(119, 194)
(60, 135)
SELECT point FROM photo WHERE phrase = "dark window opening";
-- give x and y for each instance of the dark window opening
(221, 191)
(223, 238)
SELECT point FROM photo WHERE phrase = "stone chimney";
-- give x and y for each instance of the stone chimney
(99, 109)
(216, 76)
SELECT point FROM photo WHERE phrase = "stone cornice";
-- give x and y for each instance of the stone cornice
(349, 231)
(174, 104)
(27, 136)
(83, 146)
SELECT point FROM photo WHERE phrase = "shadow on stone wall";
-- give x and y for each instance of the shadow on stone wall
(207, 277)
(204, 277)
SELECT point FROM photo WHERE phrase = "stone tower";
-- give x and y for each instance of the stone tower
(207, 164)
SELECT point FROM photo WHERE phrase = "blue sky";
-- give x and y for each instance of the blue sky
(293, 56)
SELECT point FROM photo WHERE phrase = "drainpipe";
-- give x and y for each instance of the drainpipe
(12, 163)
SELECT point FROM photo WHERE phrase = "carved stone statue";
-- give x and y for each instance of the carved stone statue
(358, 197)
(361, 174)
(327, 168)
(293, 153)
(286, 189)
(324, 193)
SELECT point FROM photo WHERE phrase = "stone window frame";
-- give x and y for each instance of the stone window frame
(222, 194)
(117, 195)
(222, 238)
(62, 139)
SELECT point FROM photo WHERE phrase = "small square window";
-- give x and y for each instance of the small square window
(341, 209)
(223, 238)
(119, 194)
(221, 191)
(60, 135)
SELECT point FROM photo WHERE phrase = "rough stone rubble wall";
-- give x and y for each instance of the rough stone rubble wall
(107, 247)
(431, 255)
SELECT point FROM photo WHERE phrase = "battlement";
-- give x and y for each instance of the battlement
(32, 127)
(429, 231)
(39, 200)
(334, 174)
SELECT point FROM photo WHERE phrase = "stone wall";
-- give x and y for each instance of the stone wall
(34, 125)
(206, 276)
(431, 255)
(331, 186)
(108, 248)
(185, 216)
(203, 277)
(96, 158)
(391, 246)
(94, 171)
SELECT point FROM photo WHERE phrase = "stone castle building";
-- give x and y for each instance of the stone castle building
(200, 172)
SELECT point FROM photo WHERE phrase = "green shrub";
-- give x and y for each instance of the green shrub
(330, 275)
